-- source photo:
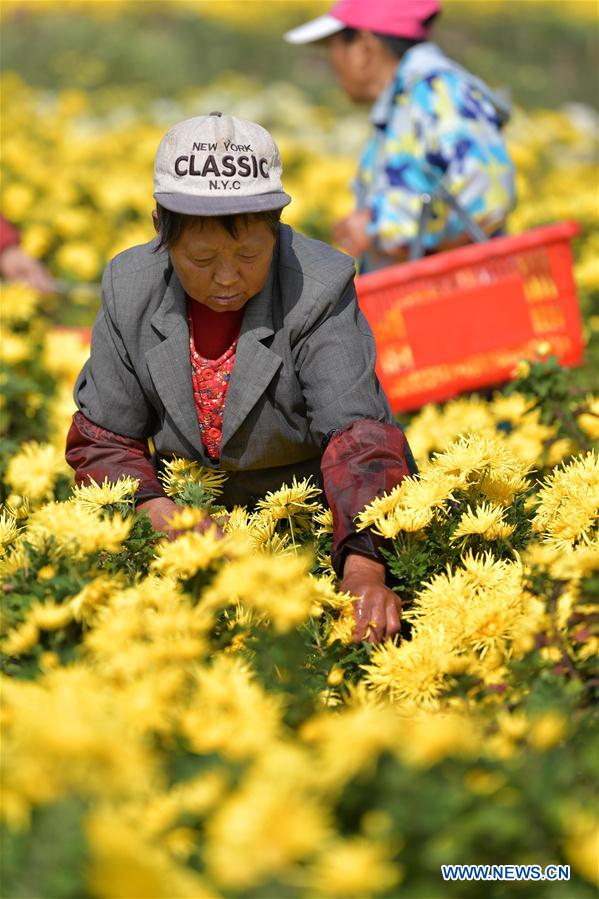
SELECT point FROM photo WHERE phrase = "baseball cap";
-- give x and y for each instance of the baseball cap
(399, 18)
(218, 165)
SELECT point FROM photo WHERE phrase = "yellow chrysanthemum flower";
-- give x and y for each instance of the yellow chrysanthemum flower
(19, 302)
(75, 530)
(351, 741)
(245, 843)
(85, 604)
(355, 867)
(17, 506)
(589, 420)
(237, 520)
(568, 510)
(262, 533)
(428, 737)
(411, 505)
(79, 259)
(432, 490)
(547, 730)
(277, 586)
(178, 471)
(8, 531)
(406, 520)
(21, 639)
(94, 497)
(16, 348)
(485, 464)
(34, 470)
(123, 862)
(486, 520)
(415, 672)
(153, 627)
(292, 504)
(581, 844)
(576, 563)
(190, 553)
(229, 712)
(186, 518)
(51, 616)
(16, 560)
(324, 522)
(64, 355)
(342, 627)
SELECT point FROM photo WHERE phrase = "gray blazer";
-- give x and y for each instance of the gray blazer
(304, 364)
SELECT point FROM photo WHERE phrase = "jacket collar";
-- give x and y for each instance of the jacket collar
(416, 63)
(420, 62)
(255, 364)
(172, 307)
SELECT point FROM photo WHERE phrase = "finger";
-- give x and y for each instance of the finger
(376, 626)
(366, 623)
(375, 630)
(47, 283)
(42, 284)
(393, 618)
(360, 622)
(36, 270)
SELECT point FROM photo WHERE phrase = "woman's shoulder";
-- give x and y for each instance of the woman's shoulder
(134, 282)
(135, 260)
(313, 260)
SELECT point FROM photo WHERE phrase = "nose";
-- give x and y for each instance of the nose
(226, 274)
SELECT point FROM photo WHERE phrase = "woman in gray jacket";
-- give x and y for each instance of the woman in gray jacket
(232, 340)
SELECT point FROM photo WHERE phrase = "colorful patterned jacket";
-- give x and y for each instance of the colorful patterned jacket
(436, 123)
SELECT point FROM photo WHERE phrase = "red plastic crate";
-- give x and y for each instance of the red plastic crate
(463, 319)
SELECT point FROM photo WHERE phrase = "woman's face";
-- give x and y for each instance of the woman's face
(346, 60)
(363, 66)
(221, 271)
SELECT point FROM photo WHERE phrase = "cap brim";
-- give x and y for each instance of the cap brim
(222, 205)
(316, 30)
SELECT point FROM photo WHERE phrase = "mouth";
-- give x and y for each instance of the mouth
(228, 300)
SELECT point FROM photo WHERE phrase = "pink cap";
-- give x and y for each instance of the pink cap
(400, 18)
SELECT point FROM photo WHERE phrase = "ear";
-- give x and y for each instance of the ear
(155, 220)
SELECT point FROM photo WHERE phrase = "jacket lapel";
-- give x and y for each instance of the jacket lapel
(170, 366)
(255, 364)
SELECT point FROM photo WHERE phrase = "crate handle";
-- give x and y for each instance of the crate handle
(475, 231)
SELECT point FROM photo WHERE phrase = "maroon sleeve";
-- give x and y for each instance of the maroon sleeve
(97, 453)
(360, 462)
(9, 236)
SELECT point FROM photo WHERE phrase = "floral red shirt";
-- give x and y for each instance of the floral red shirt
(210, 379)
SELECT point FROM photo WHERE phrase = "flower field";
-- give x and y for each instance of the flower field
(192, 719)
(167, 706)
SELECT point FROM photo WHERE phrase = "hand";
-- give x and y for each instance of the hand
(350, 233)
(377, 611)
(160, 511)
(16, 265)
